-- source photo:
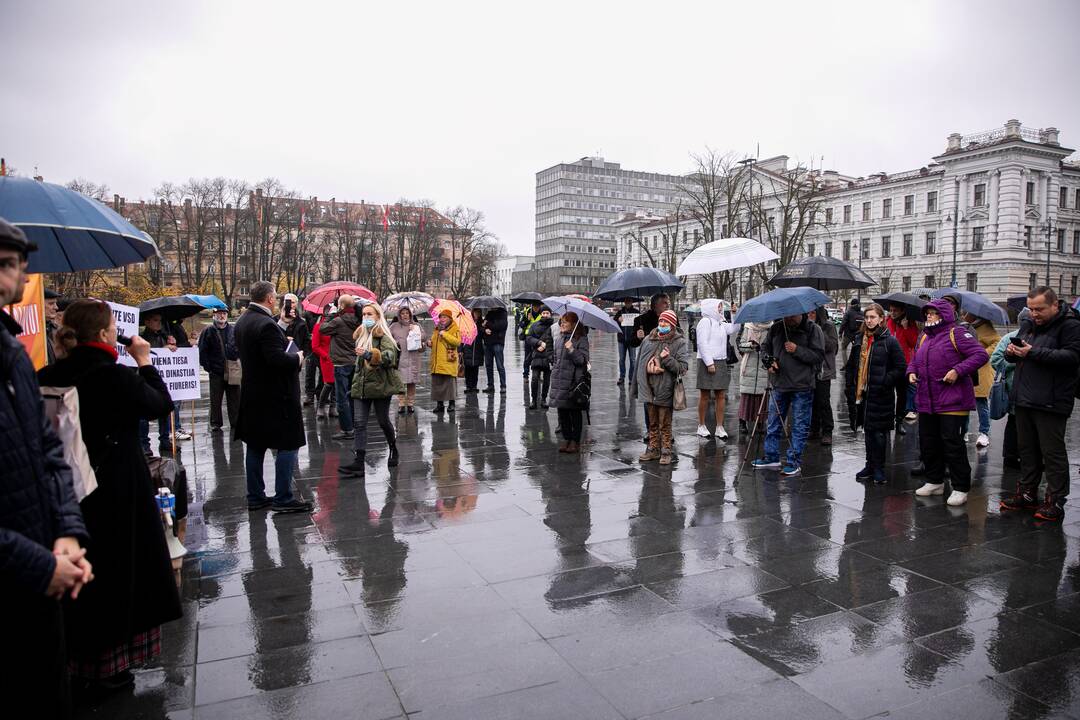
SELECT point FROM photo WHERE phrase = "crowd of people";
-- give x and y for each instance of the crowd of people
(91, 580)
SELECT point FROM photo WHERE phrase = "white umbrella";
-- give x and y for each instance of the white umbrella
(725, 254)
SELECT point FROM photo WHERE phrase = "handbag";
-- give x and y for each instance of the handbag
(62, 408)
(999, 397)
(581, 392)
(679, 396)
(233, 372)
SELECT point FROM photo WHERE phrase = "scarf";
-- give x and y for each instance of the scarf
(108, 349)
(864, 362)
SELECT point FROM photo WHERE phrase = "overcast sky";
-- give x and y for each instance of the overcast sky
(463, 102)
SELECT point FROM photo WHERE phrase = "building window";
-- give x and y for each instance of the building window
(1033, 280)
(1061, 240)
(909, 204)
(977, 238)
(864, 248)
(1029, 197)
(930, 281)
(886, 246)
(886, 208)
(908, 242)
(828, 216)
(973, 282)
(1076, 243)
(847, 251)
(828, 246)
(866, 212)
(810, 250)
(980, 194)
(905, 283)
(931, 201)
(1063, 197)
(884, 284)
(1027, 236)
(1072, 285)
(847, 211)
(931, 243)
(1076, 200)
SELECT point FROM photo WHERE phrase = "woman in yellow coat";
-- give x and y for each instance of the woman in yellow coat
(444, 361)
(988, 337)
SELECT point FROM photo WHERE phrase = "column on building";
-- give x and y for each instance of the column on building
(995, 182)
(1010, 216)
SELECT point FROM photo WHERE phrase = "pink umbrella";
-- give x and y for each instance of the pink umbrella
(461, 317)
(317, 299)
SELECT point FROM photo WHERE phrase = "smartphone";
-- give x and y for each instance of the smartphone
(288, 307)
(1015, 340)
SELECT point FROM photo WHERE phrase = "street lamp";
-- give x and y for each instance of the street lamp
(956, 217)
(1049, 235)
(748, 163)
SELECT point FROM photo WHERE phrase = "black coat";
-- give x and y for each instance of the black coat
(852, 323)
(473, 355)
(299, 331)
(540, 332)
(270, 414)
(569, 369)
(495, 321)
(133, 588)
(37, 503)
(887, 367)
(215, 346)
(646, 321)
(1046, 379)
(625, 333)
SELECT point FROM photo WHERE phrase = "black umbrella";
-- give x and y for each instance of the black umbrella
(823, 273)
(1016, 303)
(527, 297)
(912, 305)
(635, 282)
(485, 302)
(171, 309)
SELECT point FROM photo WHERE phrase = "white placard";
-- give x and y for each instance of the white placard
(127, 323)
(627, 319)
(179, 370)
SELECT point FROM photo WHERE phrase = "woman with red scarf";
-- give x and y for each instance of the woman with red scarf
(906, 332)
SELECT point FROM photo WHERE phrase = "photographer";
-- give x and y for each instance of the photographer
(294, 325)
(793, 352)
(162, 334)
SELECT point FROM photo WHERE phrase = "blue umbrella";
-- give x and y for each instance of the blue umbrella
(976, 304)
(588, 314)
(72, 231)
(635, 282)
(780, 303)
(210, 302)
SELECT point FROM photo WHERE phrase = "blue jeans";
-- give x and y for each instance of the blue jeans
(911, 397)
(801, 404)
(626, 351)
(342, 387)
(163, 430)
(283, 474)
(493, 358)
(982, 406)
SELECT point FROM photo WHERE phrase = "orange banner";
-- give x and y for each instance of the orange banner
(30, 314)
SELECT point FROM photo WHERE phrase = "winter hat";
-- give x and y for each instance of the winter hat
(447, 312)
(669, 317)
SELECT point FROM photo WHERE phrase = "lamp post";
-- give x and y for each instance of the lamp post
(957, 217)
(748, 163)
(1049, 236)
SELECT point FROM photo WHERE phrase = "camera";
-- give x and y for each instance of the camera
(767, 360)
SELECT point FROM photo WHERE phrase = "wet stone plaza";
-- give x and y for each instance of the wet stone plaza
(490, 576)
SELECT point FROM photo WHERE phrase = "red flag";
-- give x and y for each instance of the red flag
(386, 218)
(422, 213)
(302, 213)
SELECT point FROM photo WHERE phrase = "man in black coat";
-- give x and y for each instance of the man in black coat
(41, 527)
(850, 327)
(1046, 351)
(163, 334)
(217, 344)
(494, 329)
(270, 415)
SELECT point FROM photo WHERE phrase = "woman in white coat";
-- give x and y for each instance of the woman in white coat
(716, 354)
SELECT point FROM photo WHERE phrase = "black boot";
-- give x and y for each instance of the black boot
(450, 407)
(392, 460)
(356, 467)
(900, 428)
(438, 407)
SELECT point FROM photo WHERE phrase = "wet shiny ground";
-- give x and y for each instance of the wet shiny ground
(492, 577)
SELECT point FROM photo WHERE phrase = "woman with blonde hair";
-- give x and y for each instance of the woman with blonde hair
(375, 382)
(445, 346)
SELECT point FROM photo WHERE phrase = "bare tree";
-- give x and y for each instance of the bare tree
(473, 251)
(89, 188)
(784, 208)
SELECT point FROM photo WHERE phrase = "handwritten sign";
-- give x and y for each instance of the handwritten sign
(30, 314)
(179, 370)
(127, 323)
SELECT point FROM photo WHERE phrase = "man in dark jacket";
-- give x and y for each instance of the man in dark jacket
(41, 527)
(850, 327)
(51, 308)
(343, 355)
(270, 415)
(163, 334)
(217, 344)
(541, 345)
(531, 314)
(1046, 351)
(494, 330)
(624, 318)
(797, 347)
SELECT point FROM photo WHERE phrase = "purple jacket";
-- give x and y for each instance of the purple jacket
(935, 357)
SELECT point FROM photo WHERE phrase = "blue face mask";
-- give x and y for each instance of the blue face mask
(663, 330)
(369, 323)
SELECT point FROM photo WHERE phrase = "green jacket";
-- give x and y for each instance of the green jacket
(378, 377)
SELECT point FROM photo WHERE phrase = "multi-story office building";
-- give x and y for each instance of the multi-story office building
(576, 203)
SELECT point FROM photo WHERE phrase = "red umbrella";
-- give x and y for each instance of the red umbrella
(317, 299)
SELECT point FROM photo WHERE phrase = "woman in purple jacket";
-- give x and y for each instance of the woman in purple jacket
(945, 360)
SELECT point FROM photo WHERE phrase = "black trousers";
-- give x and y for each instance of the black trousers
(876, 442)
(541, 380)
(570, 421)
(821, 417)
(1041, 435)
(472, 376)
(361, 410)
(941, 444)
(311, 374)
(1010, 446)
(34, 662)
(231, 393)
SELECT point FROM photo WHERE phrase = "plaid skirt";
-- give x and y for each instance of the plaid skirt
(141, 649)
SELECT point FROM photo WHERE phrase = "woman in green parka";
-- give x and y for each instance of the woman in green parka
(375, 382)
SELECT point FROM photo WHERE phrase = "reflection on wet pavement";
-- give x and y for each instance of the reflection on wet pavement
(490, 576)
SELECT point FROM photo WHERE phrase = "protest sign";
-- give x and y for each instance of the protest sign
(127, 323)
(30, 314)
(179, 370)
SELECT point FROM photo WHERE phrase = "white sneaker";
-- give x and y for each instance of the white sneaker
(967, 437)
(911, 416)
(721, 432)
(957, 498)
(929, 489)
(703, 431)
(982, 441)
(182, 435)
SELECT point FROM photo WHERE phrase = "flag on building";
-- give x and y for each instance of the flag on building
(386, 218)
(303, 211)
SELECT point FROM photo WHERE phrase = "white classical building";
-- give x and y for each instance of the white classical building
(997, 212)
